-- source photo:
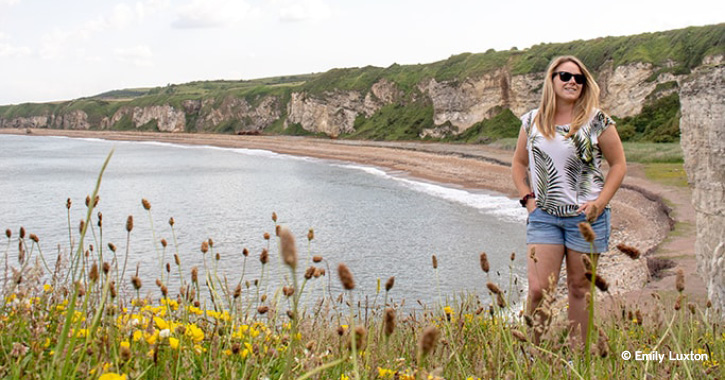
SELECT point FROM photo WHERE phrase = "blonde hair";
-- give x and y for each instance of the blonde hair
(583, 107)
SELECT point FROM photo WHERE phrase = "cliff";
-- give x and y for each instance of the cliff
(439, 100)
(703, 145)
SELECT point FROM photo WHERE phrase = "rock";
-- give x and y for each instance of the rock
(702, 127)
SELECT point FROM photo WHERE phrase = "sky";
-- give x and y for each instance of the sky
(53, 50)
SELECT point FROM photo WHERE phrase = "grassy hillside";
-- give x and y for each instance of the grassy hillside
(675, 51)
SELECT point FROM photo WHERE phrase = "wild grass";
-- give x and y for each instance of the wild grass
(646, 152)
(85, 317)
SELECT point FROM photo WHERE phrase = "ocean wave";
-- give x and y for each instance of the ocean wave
(491, 204)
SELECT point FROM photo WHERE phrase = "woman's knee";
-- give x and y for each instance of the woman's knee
(578, 287)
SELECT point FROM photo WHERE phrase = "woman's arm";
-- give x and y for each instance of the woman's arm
(519, 170)
(611, 147)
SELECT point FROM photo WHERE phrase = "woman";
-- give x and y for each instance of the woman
(562, 143)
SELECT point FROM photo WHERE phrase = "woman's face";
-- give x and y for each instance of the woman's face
(568, 91)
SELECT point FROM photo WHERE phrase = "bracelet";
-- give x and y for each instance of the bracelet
(526, 199)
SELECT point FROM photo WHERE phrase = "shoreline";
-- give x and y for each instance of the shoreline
(640, 217)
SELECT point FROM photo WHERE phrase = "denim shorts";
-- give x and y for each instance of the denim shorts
(544, 228)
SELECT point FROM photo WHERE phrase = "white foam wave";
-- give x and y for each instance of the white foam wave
(492, 204)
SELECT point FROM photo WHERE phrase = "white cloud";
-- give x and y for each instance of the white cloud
(302, 10)
(8, 50)
(212, 13)
(9, 2)
(139, 55)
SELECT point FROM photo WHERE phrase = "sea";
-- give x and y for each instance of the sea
(380, 223)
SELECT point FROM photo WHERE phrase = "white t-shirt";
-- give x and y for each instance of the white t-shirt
(565, 172)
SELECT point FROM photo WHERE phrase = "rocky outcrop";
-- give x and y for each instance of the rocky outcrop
(251, 118)
(335, 112)
(702, 127)
(167, 118)
(25, 122)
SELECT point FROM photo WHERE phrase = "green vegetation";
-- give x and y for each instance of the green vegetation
(647, 152)
(394, 122)
(86, 317)
(659, 121)
(504, 125)
(675, 51)
(670, 174)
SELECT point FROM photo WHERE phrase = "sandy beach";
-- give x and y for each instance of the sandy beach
(640, 216)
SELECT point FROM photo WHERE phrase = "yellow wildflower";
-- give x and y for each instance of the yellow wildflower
(448, 310)
(244, 353)
(196, 334)
(199, 349)
(383, 373)
(137, 335)
(81, 333)
(47, 288)
(344, 377)
(228, 352)
(112, 376)
(174, 343)
(125, 344)
(150, 354)
(151, 338)
(47, 343)
(161, 323)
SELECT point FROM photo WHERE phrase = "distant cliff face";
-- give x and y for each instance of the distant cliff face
(457, 105)
(703, 144)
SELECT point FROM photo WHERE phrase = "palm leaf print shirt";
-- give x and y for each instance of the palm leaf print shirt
(565, 172)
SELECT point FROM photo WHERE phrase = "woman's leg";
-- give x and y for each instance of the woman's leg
(578, 287)
(545, 264)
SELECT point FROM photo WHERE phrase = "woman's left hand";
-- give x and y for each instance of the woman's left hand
(592, 210)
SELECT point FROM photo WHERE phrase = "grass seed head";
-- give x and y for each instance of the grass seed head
(177, 260)
(136, 282)
(238, 291)
(129, 223)
(428, 340)
(587, 232)
(171, 221)
(513, 256)
(125, 353)
(485, 266)
(106, 267)
(493, 288)
(204, 247)
(360, 340)
(146, 204)
(112, 288)
(435, 262)
(168, 268)
(88, 200)
(164, 243)
(599, 281)
(631, 252)
(310, 272)
(264, 256)
(159, 283)
(112, 247)
(348, 282)
(521, 337)
(390, 283)
(587, 262)
(310, 234)
(288, 247)
(245, 252)
(164, 291)
(500, 301)
(592, 213)
(288, 291)
(389, 321)
(680, 280)
(274, 217)
(8, 233)
(68, 203)
(93, 274)
(262, 309)
(266, 236)
(195, 275)
(81, 226)
(218, 256)
(34, 237)
(316, 259)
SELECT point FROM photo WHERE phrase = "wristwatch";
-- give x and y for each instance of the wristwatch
(526, 199)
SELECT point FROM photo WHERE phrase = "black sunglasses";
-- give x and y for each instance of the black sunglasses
(565, 76)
